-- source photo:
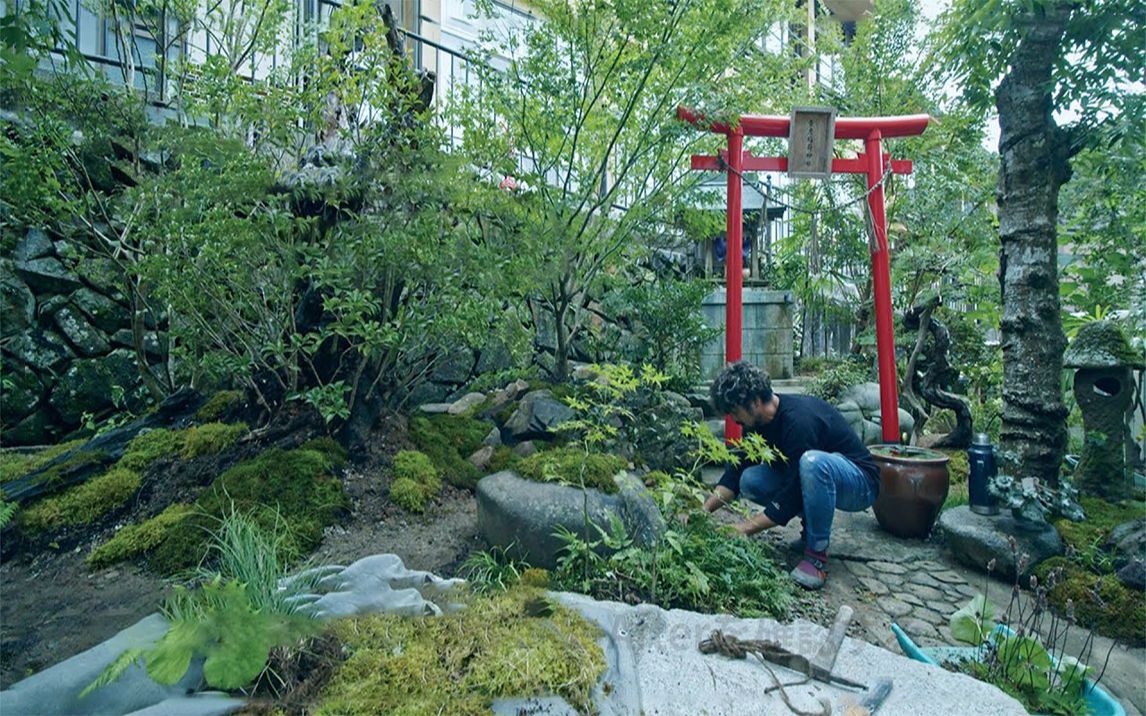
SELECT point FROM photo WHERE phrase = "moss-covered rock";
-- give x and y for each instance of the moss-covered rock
(135, 540)
(1099, 602)
(1088, 537)
(504, 458)
(14, 465)
(448, 440)
(292, 488)
(210, 439)
(219, 405)
(573, 466)
(1101, 344)
(83, 503)
(461, 662)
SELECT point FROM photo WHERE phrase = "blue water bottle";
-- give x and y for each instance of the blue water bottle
(981, 458)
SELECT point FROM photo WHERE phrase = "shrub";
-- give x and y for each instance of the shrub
(460, 662)
(573, 466)
(294, 487)
(831, 384)
(137, 539)
(83, 503)
(210, 439)
(448, 440)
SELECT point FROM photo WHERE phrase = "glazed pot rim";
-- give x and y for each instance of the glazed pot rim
(908, 454)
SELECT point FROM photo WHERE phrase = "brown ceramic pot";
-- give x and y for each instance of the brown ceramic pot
(913, 483)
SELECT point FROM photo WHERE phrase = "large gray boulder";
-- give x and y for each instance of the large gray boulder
(47, 275)
(41, 351)
(1127, 544)
(537, 416)
(860, 406)
(56, 690)
(21, 393)
(34, 245)
(104, 313)
(976, 539)
(522, 515)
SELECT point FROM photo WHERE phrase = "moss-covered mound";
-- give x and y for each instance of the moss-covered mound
(1100, 602)
(135, 540)
(83, 503)
(459, 663)
(448, 440)
(207, 439)
(291, 489)
(219, 405)
(15, 464)
(416, 481)
(1088, 536)
(573, 466)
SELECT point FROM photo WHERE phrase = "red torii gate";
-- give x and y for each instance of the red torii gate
(872, 162)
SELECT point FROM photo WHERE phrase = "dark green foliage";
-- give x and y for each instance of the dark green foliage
(573, 466)
(295, 487)
(448, 440)
(831, 383)
(698, 566)
(1099, 602)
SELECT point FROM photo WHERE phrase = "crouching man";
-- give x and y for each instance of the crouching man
(827, 467)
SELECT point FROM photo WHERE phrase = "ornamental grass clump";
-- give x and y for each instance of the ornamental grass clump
(497, 647)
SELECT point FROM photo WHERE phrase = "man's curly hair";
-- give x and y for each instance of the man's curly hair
(739, 385)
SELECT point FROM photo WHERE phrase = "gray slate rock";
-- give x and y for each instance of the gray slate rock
(1133, 574)
(56, 689)
(34, 245)
(41, 351)
(1128, 541)
(494, 437)
(154, 344)
(104, 313)
(47, 275)
(434, 408)
(481, 458)
(87, 341)
(466, 402)
(538, 415)
(977, 539)
(523, 514)
(525, 449)
(17, 305)
(21, 393)
(87, 385)
(39, 428)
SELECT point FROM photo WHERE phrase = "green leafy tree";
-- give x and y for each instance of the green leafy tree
(583, 118)
(1031, 60)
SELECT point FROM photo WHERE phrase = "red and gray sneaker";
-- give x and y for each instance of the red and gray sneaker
(812, 571)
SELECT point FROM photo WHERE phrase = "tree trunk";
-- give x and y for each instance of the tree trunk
(1034, 154)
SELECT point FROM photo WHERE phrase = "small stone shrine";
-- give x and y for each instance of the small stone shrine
(1104, 389)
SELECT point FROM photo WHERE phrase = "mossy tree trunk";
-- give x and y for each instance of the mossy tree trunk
(1034, 155)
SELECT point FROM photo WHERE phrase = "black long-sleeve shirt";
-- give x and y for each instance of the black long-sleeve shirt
(802, 423)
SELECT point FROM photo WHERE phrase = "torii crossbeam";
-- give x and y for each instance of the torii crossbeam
(872, 162)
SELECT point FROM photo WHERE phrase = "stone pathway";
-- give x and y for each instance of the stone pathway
(917, 585)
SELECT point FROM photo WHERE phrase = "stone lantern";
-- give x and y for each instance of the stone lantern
(1104, 389)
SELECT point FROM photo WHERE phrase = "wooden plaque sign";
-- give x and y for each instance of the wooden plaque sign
(810, 140)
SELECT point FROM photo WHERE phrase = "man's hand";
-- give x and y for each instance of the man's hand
(757, 523)
(720, 497)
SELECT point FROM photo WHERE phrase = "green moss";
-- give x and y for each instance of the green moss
(535, 577)
(416, 481)
(570, 466)
(448, 440)
(1100, 602)
(14, 465)
(219, 405)
(461, 662)
(295, 488)
(504, 458)
(83, 503)
(329, 447)
(505, 412)
(210, 439)
(1088, 536)
(134, 540)
(150, 446)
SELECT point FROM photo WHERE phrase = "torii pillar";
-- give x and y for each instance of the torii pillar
(872, 162)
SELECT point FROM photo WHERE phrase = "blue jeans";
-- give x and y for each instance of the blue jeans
(828, 482)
